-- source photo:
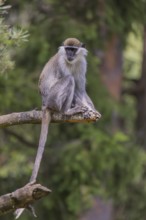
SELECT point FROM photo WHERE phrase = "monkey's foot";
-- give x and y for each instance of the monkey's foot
(98, 114)
(84, 109)
(91, 113)
(76, 110)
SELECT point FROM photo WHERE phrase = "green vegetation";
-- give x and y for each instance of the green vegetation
(81, 161)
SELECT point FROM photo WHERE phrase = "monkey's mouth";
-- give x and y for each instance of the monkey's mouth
(70, 59)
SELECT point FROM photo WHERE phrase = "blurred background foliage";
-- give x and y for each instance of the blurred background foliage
(106, 159)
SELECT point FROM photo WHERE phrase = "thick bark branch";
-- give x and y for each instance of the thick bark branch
(34, 117)
(22, 198)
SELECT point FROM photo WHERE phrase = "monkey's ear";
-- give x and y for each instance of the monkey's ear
(83, 45)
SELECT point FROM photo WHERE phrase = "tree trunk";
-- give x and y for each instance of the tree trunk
(141, 99)
(111, 71)
(111, 66)
(100, 210)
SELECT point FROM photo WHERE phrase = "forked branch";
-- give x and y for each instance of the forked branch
(22, 197)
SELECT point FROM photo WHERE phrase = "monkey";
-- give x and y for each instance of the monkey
(62, 85)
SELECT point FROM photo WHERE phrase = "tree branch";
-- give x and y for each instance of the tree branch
(22, 198)
(25, 196)
(19, 137)
(34, 117)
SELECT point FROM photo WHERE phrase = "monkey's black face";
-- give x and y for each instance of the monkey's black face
(71, 52)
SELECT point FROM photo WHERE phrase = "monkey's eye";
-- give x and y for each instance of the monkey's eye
(71, 49)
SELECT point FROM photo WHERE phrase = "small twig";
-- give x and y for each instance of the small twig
(34, 117)
(22, 198)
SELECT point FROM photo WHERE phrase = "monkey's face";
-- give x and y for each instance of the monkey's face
(71, 52)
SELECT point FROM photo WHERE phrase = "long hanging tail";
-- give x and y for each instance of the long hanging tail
(46, 118)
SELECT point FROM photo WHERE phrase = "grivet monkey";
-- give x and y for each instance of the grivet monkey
(62, 85)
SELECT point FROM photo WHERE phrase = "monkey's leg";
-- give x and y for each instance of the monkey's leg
(76, 106)
(61, 94)
(82, 99)
(87, 102)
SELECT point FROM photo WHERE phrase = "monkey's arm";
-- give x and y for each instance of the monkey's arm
(83, 100)
(81, 97)
(89, 101)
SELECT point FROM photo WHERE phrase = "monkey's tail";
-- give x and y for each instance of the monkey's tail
(46, 118)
